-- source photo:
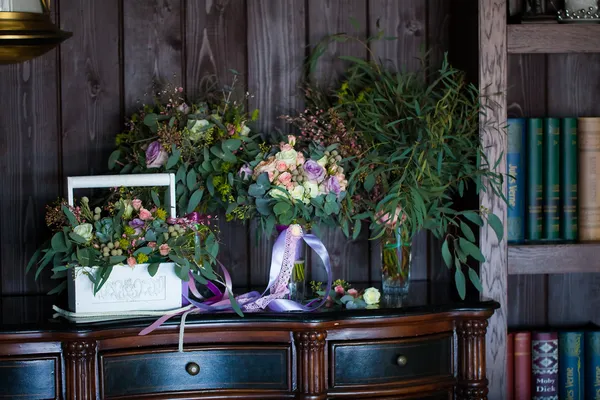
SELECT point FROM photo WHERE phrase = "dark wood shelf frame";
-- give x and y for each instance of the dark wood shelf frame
(553, 38)
(530, 259)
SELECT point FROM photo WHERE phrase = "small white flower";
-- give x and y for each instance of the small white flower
(371, 296)
(245, 131)
(197, 128)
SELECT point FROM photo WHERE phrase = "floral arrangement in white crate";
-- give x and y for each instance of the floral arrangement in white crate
(124, 254)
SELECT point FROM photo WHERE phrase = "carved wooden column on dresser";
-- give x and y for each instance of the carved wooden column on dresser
(424, 350)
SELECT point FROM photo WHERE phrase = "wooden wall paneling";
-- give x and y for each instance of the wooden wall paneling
(215, 43)
(572, 80)
(349, 259)
(493, 272)
(407, 21)
(91, 85)
(439, 15)
(526, 97)
(276, 51)
(152, 49)
(30, 165)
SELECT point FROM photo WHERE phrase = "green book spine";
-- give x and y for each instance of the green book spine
(534, 187)
(568, 178)
(551, 174)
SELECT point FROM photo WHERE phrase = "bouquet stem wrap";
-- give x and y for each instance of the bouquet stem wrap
(285, 253)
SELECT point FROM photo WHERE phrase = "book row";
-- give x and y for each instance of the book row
(553, 365)
(553, 168)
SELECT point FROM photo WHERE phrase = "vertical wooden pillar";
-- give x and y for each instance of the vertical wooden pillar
(80, 369)
(494, 272)
(311, 365)
(472, 381)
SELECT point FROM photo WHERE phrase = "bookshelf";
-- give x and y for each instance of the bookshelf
(553, 76)
(531, 259)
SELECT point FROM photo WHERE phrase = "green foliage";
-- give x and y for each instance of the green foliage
(419, 150)
(204, 142)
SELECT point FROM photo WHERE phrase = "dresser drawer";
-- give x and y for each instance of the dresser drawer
(390, 361)
(160, 371)
(29, 378)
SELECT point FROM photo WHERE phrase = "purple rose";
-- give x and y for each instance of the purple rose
(333, 185)
(314, 172)
(245, 172)
(156, 156)
(136, 223)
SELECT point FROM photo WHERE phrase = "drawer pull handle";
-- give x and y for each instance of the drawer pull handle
(192, 368)
(401, 361)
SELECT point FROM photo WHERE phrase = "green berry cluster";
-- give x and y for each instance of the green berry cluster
(174, 231)
(112, 249)
(97, 212)
(333, 158)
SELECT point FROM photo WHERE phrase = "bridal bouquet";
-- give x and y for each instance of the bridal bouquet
(296, 185)
(203, 143)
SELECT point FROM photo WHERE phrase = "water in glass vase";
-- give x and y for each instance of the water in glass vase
(297, 284)
(395, 263)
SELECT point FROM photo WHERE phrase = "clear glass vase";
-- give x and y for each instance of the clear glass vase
(396, 262)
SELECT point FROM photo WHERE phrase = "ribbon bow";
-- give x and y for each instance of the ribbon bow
(285, 253)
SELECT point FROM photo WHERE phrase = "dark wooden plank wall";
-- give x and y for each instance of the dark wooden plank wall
(554, 85)
(62, 111)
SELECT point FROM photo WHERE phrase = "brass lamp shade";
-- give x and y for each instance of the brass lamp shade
(26, 35)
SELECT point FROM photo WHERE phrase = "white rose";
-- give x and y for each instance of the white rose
(288, 156)
(278, 192)
(197, 128)
(85, 231)
(371, 296)
(323, 161)
(298, 193)
(245, 131)
(127, 205)
(312, 189)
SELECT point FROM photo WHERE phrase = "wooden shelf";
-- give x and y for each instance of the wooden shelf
(553, 38)
(553, 258)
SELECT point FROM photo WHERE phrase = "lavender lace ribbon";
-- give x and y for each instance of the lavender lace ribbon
(285, 253)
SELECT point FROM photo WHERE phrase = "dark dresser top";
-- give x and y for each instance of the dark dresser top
(23, 314)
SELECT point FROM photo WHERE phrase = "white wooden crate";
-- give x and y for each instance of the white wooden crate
(127, 288)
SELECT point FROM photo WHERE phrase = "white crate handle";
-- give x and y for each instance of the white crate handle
(132, 180)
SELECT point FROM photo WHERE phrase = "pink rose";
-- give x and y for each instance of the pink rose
(285, 146)
(145, 215)
(152, 245)
(353, 292)
(131, 262)
(340, 290)
(164, 249)
(136, 203)
(280, 166)
(271, 175)
(285, 178)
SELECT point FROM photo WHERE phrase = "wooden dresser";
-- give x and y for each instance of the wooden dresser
(422, 350)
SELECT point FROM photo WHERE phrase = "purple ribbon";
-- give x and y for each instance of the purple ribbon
(285, 253)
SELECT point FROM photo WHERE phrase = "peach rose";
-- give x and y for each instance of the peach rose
(164, 249)
(353, 292)
(285, 178)
(264, 166)
(300, 159)
(131, 262)
(280, 166)
(145, 215)
(285, 146)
